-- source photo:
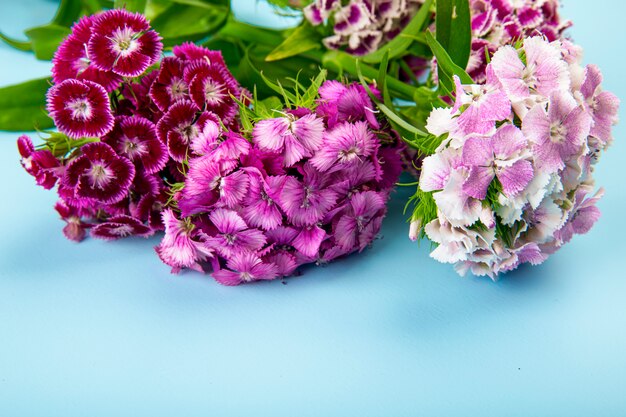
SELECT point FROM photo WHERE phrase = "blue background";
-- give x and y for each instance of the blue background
(103, 329)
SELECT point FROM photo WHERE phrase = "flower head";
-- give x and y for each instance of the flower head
(80, 108)
(123, 43)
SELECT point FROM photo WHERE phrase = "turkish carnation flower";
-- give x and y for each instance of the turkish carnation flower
(80, 108)
(123, 43)
(127, 124)
(289, 192)
(512, 183)
(72, 60)
(361, 26)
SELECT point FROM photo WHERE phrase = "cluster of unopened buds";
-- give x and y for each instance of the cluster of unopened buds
(148, 144)
(512, 180)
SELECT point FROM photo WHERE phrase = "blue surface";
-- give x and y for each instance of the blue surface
(103, 329)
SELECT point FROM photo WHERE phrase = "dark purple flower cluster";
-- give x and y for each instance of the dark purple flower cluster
(126, 122)
(308, 186)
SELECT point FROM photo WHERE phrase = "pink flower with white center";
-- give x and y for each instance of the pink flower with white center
(209, 184)
(40, 164)
(245, 267)
(211, 87)
(181, 126)
(80, 109)
(352, 228)
(583, 215)
(119, 227)
(233, 234)
(136, 139)
(602, 105)
(261, 209)
(222, 146)
(558, 134)
(169, 85)
(542, 72)
(306, 202)
(500, 156)
(339, 103)
(294, 138)
(180, 247)
(99, 174)
(122, 42)
(345, 145)
(72, 61)
(485, 104)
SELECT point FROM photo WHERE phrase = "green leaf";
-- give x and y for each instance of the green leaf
(19, 45)
(67, 12)
(206, 4)
(447, 68)
(399, 45)
(453, 28)
(179, 23)
(131, 5)
(46, 39)
(304, 38)
(22, 106)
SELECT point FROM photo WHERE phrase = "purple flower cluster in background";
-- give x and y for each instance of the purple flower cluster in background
(512, 180)
(361, 26)
(306, 187)
(126, 123)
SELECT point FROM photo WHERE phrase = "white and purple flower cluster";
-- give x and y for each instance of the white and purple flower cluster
(512, 180)
(500, 22)
(361, 26)
(127, 121)
(306, 187)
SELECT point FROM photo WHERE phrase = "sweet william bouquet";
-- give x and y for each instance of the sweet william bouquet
(259, 150)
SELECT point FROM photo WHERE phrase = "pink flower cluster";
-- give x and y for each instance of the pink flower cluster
(306, 186)
(126, 123)
(500, 22)
(512, 180)
(361, 26)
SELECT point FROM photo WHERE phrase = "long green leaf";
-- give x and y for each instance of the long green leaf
(179, 23)
(46, 39)
(453, 29)
(22, 106)
(304, 38)
(67, 12)
(131, 5)
(399, 45)
(14, 43)
(447, 68)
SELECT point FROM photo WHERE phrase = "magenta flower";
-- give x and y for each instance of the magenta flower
(169, 85)
(180, 247)
(71, 60)
(339, 103)
(499, 156)
(294, 138)
(245, 267)
(136, 139)
(122, 42)
(233, 234)
(344, 146)
(180, 126)
(602, 105)
(80, 109)
(120, 227)
(99, 174)
(261, 209)
(75, 228)
(558, 134)
(306, 202)
(191, 52)
(356, 227)
(40, 164)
